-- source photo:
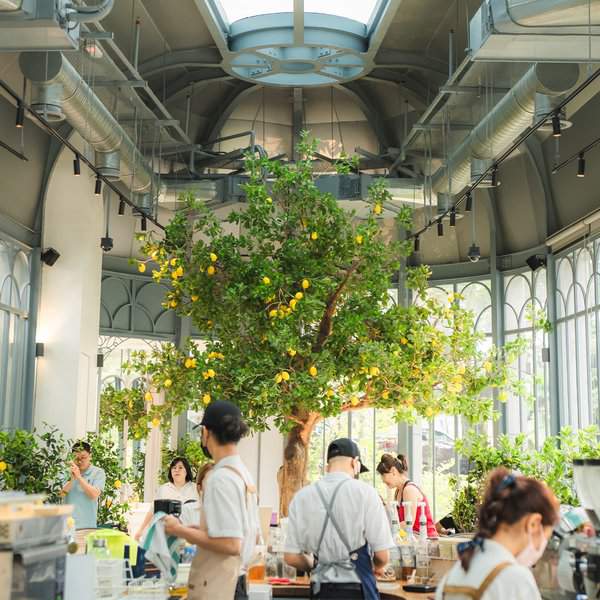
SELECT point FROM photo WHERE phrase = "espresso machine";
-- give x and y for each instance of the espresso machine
(570, 567)
(33, 547)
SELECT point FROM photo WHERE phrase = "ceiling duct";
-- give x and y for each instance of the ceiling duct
(59, 90)
(505, 122)
(536, 30)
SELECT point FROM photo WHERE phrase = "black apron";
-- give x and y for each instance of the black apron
(358, 560)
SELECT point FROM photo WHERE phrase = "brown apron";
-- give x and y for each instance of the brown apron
(214, 576)
(475, 593)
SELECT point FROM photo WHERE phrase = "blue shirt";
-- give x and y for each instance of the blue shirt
(85, 510)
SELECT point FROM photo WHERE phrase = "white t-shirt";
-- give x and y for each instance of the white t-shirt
(169, 491)
(359, 512)
(515, 582)
(228, 512)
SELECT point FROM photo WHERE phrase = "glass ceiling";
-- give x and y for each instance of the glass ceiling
(359, 10)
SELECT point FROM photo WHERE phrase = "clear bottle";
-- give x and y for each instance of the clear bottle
(422, 550)
(395, 555)
(100, 549)
(409, 545)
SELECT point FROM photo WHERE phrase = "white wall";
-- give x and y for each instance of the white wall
(68, 322)
(263, 455)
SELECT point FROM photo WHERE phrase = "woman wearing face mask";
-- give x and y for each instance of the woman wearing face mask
(180, 487)
(515, 522)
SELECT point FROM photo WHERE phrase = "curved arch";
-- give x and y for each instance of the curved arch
(120, 280)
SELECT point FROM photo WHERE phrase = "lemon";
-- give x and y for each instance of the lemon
(195, 298)
(487, 365)
(330, 393)
(3, 466)
(502, 396)
(385, 394)
(130, 404)
(155, 422)
(269, 200)
(314, 236)
(213, 257)
(209, 323)
(299, 296)
(285, 376)
(266, 280)
(118, 484)
(168, 383)
(377, 209)
(206, 399)
(273, 313)
(305, 284)
(278, 378)
(313, 371)
(291, 352)
(142, 267)
(211, 271)
(148, 397)
(374, 371)
(403, 341)
(355, 400)
(179, 271)
(173, 304)
(429, 412)
(293, 303)
(173, 262)
(210, 373)
(359, 239)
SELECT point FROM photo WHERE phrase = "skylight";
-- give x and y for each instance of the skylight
(359, 10)
(240, 9)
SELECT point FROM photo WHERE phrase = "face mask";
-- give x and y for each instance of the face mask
(205, 449)
(530, 555)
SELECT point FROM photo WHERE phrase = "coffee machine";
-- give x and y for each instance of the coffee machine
(33, 547)
(570, 567)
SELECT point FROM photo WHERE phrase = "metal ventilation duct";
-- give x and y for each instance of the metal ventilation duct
(59, 90)
(506, 121)
(536, 30)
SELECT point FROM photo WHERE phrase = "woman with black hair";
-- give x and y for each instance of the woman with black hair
(181, 486)
(394, 473)
(516, 519)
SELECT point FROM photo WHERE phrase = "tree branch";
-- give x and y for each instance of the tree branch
(326, 325)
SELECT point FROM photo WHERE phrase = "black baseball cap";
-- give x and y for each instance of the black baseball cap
(345, 447)
(216, 411)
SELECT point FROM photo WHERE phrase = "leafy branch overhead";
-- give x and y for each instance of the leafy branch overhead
(292, 297)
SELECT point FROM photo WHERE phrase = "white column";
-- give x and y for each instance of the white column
(68, 323)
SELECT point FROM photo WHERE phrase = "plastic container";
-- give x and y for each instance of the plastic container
(115, 542)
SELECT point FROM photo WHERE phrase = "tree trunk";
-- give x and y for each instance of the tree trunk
(292, 474)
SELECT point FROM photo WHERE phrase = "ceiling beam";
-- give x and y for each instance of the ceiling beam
(195, 57)
(384, 15)
(216, 24)
(297, 118)
(415, 93)
(390, 58)
(369, 109)
(238, 94)
(298, 22)
(188, 80)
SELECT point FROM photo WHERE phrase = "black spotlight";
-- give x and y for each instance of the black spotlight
(144, 226)
(453, 216)
(556, 131)
(106, 243)
(440, 227)
(469, 202)
(581, 166)
(536, 261)
(20, 120)
(417, 243)
(76, 166)
(121, 207)
(98, 186)
(49, 256)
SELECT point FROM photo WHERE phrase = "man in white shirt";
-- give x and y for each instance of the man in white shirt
(228, 531)
(340, 522)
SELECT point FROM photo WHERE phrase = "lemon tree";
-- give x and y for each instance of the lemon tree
(297, 317)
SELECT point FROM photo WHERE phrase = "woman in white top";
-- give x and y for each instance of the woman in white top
(516, 519)
(181, 486)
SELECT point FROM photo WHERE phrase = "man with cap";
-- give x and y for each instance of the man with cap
(338, 529)
(229, 526)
